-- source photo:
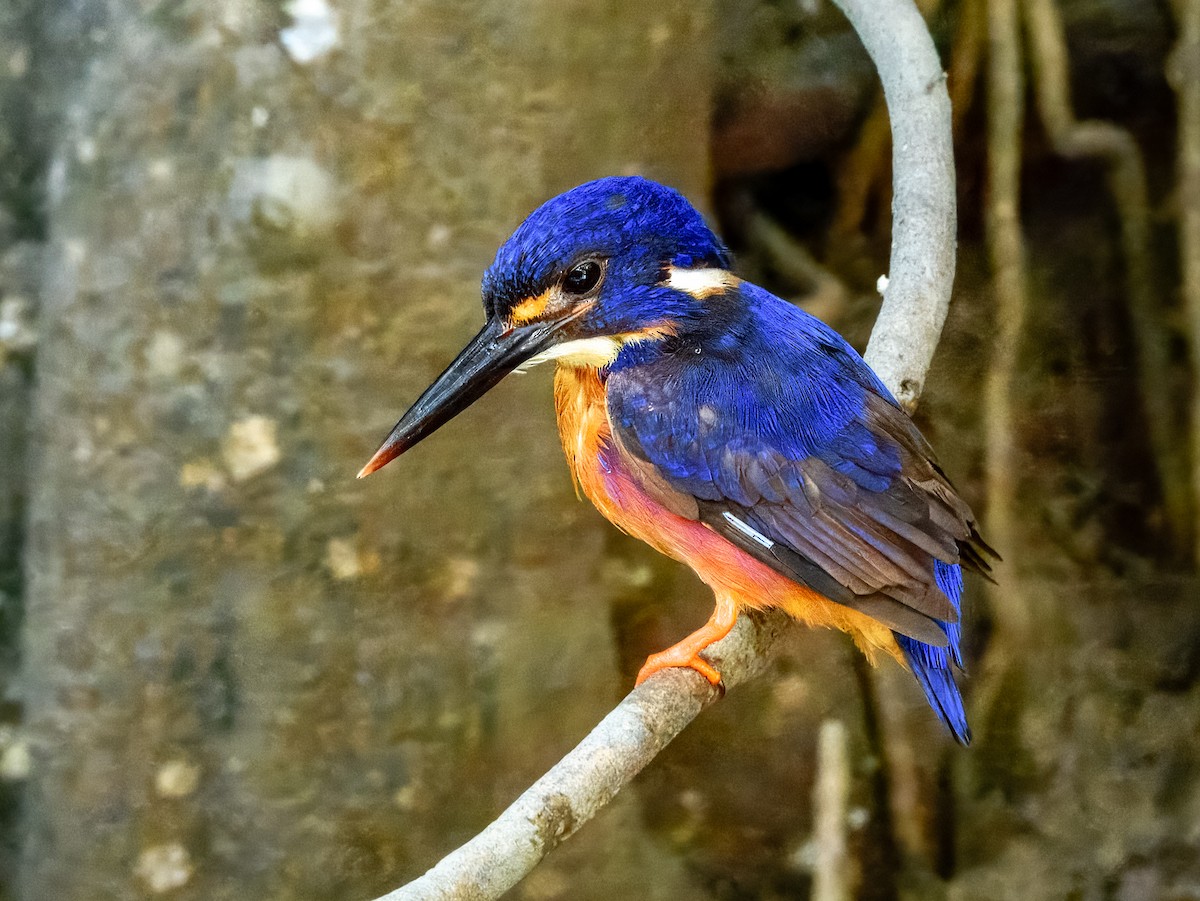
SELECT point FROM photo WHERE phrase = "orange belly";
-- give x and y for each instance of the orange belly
(730, 572)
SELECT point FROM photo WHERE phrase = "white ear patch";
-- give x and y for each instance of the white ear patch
(701, 283)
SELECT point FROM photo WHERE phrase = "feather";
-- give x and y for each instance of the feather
(793, 436)
(932, 665)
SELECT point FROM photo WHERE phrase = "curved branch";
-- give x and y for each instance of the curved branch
(924, 214)
(901, 347)
(1104, 140)
(580, 784)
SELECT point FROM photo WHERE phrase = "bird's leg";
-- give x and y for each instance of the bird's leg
(687, 652)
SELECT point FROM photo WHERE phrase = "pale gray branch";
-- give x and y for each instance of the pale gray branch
(831, 797)
(924, 216)
(580, 784)
(910, 323)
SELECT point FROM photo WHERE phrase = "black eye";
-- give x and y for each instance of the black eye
(582, 278)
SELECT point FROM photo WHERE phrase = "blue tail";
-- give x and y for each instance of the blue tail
(933, 666)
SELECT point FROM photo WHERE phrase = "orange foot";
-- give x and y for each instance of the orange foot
(678, 655)
(687, 652)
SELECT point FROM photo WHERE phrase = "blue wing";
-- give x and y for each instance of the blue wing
(794, 451)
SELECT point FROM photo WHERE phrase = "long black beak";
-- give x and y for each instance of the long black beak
(492, 354)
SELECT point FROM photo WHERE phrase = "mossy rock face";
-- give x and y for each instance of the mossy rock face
(258, 254)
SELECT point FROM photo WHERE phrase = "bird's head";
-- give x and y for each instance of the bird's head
(611, 262)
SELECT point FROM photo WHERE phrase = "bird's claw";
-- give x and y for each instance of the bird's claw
(666, 660)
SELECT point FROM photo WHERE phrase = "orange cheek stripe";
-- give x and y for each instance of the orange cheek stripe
(530, 308)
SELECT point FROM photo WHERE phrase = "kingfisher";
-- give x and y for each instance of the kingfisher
(724, 427)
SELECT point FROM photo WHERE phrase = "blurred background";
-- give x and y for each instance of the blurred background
(238, 237)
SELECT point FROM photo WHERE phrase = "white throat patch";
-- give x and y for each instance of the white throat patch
(598, 352)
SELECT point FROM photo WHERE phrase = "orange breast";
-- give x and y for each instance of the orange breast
(597, 470)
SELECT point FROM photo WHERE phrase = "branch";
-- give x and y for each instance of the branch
(1006, 113)
(831, 796)
(910, 323)
(917, 298)
(1103, 140)
(1184, 73)
(580, 784)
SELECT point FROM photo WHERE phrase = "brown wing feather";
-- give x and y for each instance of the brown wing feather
(873, 551)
